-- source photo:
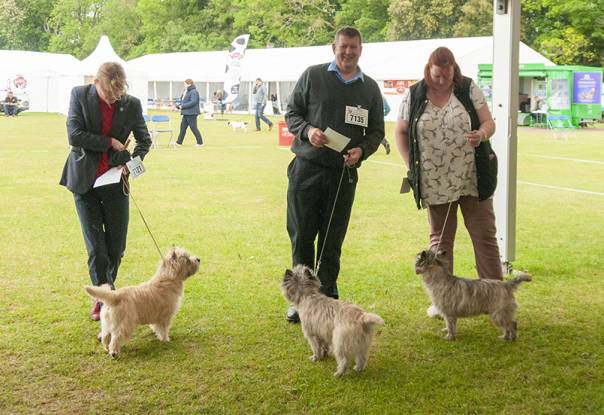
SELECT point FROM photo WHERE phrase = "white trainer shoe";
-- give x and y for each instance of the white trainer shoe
(433, 312)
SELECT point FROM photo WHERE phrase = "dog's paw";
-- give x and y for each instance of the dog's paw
(313, 358)
(507, 338)
(113, 355)
(99, 337)
(449, 336)
(445, 330)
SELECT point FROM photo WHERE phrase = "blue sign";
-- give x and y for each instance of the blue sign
(586, 87)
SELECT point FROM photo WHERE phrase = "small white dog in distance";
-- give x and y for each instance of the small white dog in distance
(154, 302)
(331, 327)
(238, 125)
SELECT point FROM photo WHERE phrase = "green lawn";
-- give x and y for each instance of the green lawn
(231, 350)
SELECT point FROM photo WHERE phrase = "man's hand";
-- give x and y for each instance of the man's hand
(353, 156)
(117, 145)
(316, 137)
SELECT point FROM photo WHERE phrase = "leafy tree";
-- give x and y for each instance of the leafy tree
(285, 23)
(11, 19)
(422, 19)
(70, 24)
(567, 32)
(369, 16)
(23, 24)
(476, 19)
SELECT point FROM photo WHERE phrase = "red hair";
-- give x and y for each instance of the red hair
(444, 59)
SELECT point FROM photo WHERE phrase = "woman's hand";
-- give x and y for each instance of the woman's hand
(117, 145)
(475, 137)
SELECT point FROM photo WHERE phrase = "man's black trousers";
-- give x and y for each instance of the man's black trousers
(310, 200)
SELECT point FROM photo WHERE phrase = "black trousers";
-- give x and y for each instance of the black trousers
(310, 198)
(104, 215)
(189, 121)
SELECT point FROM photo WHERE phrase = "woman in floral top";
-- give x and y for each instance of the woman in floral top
(436, 115)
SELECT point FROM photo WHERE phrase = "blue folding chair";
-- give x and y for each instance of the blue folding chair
(161, 124)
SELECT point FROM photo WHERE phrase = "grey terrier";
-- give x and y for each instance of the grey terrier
(331, 327)
(456, 297)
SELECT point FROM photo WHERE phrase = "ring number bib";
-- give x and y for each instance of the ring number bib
(357, 116)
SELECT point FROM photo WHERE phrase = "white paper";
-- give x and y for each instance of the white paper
(113, 175)
(335, 140)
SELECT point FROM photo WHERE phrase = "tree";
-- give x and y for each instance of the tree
(422, 19)
(567, 32)
(23, 24)
(476, 19)
(70, 24)
(369, 16)
(11, 19)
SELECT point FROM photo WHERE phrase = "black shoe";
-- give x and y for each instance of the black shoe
(387, 147)
(292, 315)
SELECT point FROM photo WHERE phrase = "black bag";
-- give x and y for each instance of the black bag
(486, 170)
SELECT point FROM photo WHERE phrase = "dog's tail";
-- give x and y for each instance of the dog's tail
(520, 277)
(372, 319)
(103, 293)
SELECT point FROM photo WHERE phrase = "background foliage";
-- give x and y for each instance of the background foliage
(567, 32)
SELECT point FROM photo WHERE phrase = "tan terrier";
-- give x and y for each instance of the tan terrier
(154, 302)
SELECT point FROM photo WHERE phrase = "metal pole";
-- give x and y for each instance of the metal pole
(506, 37)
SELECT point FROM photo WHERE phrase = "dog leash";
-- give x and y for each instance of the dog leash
(333, 208)
(127, 192)
(443, 229)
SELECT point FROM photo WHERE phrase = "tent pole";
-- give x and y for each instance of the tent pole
(506, 38)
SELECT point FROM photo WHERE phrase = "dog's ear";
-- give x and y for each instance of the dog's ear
(288, 274)
(173, 257)
(309, 274)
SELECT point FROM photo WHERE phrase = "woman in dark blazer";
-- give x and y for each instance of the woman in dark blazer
(101, 117)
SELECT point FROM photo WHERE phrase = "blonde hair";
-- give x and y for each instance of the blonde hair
(112, 78)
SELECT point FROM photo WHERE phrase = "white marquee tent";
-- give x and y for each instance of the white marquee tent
(281, 67)
(51, 76)
(104, 52)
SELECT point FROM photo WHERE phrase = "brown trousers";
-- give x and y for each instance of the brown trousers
(479, 218)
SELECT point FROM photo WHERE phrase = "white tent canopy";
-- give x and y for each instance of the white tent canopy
(49, 77)
(403, 60)
(104, 52)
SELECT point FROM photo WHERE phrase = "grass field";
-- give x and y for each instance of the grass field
(231, 350)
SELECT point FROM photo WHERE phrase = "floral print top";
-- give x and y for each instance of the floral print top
(447, 167)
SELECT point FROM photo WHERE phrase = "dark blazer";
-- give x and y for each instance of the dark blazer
(190, 102)
(87, 142)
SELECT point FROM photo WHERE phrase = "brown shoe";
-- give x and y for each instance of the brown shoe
(95, 313)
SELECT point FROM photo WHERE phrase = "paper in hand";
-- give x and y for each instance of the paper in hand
(335, 140)
(111, 176)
